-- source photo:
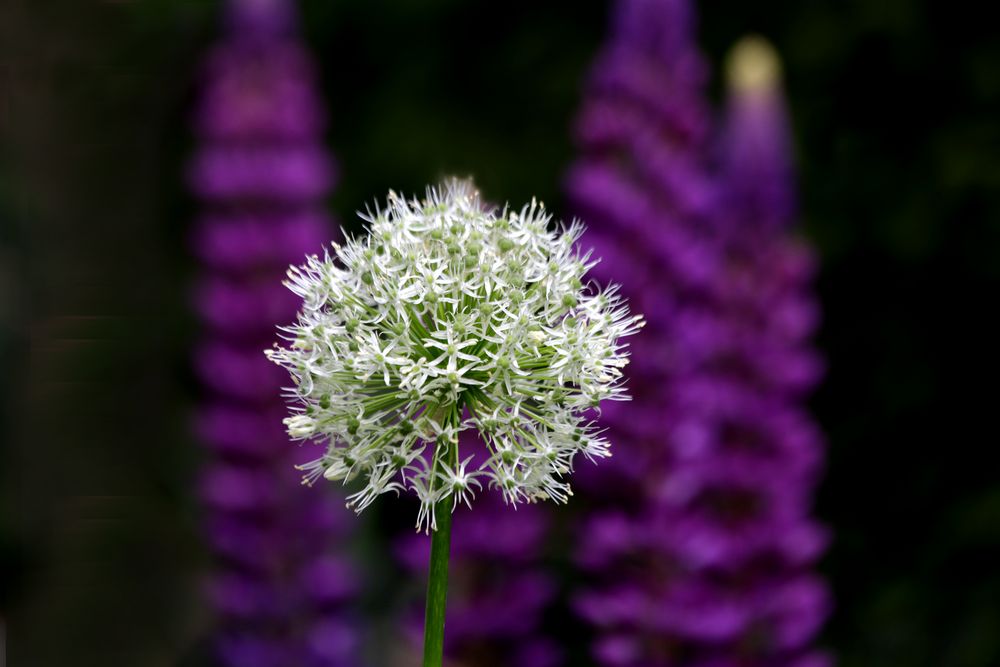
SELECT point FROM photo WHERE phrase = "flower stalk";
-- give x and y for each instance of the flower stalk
(437, 587)
(437, 576)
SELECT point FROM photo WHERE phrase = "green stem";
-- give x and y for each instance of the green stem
(437, 587)
(437, 578)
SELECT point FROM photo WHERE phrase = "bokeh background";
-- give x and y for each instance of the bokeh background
(895, 107)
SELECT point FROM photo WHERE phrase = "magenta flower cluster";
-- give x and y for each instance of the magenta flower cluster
(700, 547)
(280, 582)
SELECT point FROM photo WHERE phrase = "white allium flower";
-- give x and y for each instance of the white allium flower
(449, 316)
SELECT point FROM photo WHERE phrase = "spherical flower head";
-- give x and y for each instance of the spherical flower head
(450, 315)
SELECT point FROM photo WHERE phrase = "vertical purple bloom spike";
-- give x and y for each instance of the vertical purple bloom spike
(756, 146)
(769, 298)
(281, 583)
(699, 542)
(642, 187)
(498, 592)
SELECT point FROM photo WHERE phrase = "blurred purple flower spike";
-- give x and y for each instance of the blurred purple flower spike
(756, 151)
(648, 219)
(699, 545)
(260, 18)
(282, 586)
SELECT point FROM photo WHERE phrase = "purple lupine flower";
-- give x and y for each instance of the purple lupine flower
(281, 582)
(699, 544)
(642, 186)
(769, 298)
(498, 590)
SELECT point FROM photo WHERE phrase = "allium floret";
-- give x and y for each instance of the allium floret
(452, 315)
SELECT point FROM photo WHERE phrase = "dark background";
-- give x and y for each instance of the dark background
(896, 108)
